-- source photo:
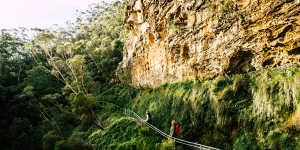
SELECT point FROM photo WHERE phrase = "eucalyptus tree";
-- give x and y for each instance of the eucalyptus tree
(86, 54)
(100, 34)
(11, 57)
(18, 100)
(38, 75)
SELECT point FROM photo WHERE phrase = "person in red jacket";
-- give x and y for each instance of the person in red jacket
(174, 130)
(177, 129)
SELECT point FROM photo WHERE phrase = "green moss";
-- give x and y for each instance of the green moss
(173, 29)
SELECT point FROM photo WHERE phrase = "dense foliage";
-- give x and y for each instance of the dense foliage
(49, 83)
(59, 91)
(245, 111)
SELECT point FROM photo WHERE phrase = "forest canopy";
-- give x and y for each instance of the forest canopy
(63, 89)
(50, 78)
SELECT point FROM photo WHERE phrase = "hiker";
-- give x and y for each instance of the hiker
(174, 130)
(148, 119)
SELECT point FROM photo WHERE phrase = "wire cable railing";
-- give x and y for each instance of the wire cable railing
(132, 114)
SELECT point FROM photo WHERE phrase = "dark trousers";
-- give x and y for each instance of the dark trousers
(175, 143)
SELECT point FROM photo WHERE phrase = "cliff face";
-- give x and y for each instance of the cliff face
(175, 40)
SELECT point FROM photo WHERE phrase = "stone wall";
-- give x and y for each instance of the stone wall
(176, 40)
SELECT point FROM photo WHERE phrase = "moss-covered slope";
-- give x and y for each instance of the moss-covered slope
(244, 111)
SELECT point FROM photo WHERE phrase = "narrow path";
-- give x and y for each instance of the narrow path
(132, 114)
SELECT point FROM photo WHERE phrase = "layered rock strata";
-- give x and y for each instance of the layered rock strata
(175, 40)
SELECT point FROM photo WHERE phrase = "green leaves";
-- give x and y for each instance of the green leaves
(49, 140)
(77, 62)
(83, 105)
(38, 75)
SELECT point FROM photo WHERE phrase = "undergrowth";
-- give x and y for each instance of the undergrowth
(238, 112)
(245, 111)
(124, 134)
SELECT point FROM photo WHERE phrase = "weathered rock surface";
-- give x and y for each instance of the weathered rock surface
(175, 40)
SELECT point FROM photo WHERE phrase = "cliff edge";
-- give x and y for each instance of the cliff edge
(175, 40)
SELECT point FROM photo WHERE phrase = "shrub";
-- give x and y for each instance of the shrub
(50, 139)
(246, 141)
(130, 145)
(120, 131)
(145, 131)
(167, 145)
(281, 141)
(73, 143)
(83, 105)
(124, 134)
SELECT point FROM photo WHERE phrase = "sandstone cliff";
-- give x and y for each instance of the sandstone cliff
(175, 40)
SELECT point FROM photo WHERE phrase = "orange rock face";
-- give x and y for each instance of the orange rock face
(175, 40)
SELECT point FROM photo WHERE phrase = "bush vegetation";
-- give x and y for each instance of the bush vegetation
(60, 91)
(237, 112)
